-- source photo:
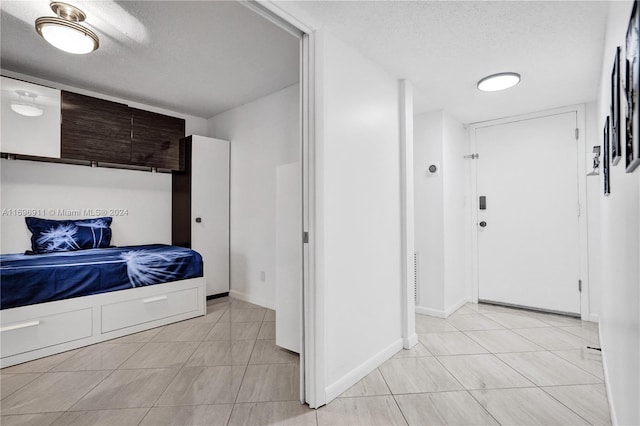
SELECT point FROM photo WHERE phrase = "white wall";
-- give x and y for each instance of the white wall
(620, 254)
(429, 210)
(594, 185)
(441, 226)
(142, 200)
(358, 217)
(264, 134)
(145, 196)
(455, 171)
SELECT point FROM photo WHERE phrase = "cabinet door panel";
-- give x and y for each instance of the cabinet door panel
(30, 135)
(95, 129)
(210, 203)
(156, 140)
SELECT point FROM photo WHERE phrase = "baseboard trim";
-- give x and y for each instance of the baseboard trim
(459, 304)
(361, 371)
(409, 342)
(594, 318)
(247, 298)
(603, 354)
(439, 313)
(431, 312)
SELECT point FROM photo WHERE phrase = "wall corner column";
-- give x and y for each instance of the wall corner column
(409, 336)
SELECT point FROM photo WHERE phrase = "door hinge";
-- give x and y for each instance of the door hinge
(305, 238)
(577, 133)
(579, 210)
(580, 286)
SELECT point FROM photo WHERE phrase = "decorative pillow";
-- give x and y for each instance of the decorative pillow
(48, 236)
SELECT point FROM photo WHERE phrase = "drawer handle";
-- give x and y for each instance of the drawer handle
(154, 299)
(19, 326)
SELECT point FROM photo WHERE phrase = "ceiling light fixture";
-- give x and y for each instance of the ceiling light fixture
(64, 31)
(500, 81)
(26, 107)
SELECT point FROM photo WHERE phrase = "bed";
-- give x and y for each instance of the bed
(61, 300)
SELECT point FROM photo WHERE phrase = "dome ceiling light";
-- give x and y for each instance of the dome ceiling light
(26, 104)
(64, 31)
(500, 81)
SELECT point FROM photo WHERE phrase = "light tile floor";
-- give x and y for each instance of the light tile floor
(484, 365)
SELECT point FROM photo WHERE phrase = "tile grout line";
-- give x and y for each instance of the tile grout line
(3, 396)
(105, 378)
(483, 407)
(145, 416)
(153, 404)
(543, 350)
(577, 366)
(463, 389)
(50, 370)
(525, 352)
(393, 395)
(246, 367)
(400, 409)
(506, 365)
(563, 404)
(182, 367)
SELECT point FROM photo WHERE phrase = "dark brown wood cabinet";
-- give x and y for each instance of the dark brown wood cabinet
(103, 131)
(94, 129)
(181, 199)
(155, 140)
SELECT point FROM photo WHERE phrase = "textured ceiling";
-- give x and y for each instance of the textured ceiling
(195, 57)
(445, 47)
(204, 57)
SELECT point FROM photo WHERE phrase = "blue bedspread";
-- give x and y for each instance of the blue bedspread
(31, 279)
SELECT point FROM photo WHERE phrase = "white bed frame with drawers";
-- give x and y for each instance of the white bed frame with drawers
(35, 331)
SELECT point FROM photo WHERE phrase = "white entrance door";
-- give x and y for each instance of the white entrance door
(528, 233)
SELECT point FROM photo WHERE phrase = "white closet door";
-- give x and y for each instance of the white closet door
(210, 209)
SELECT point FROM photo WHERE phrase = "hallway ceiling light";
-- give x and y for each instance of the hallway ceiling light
(500, 81)
(26, 107)
(64, 31)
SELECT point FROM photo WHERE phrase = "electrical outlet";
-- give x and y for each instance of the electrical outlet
(263, 276)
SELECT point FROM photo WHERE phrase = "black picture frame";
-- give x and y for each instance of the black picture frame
(605, 158)
(616, 148)
(632, 67)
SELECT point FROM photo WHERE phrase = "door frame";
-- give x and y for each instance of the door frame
(312, 378)
(312, 356)
(583, 255)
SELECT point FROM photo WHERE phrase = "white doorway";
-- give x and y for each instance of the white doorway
(528, 227)
(299, 323)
